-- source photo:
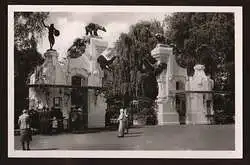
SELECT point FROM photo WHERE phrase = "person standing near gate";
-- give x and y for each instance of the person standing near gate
(121, 120)
(24, 125)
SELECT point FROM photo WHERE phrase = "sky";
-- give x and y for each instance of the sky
(71, 26)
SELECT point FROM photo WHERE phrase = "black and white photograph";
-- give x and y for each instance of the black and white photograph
(125, 81)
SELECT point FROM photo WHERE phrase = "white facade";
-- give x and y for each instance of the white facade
(199, 97)
(167, 113)
(193, 96)
(53, 80)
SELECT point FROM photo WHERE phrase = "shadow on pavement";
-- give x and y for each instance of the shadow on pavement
(107, 129)
(127, 136)
(132, 133)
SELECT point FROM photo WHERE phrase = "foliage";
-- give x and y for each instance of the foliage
(27, 31)
(206, 38)
(224, 108)
(28, 27)
(131, 49)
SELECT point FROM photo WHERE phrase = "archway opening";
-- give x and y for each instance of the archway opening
(79, 99)
(180, 102)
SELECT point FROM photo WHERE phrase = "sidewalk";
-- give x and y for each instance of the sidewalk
(175, 137)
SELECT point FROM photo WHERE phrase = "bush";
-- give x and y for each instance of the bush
(147, 116)
(224, 109)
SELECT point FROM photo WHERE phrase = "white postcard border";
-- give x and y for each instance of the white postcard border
(238, 153)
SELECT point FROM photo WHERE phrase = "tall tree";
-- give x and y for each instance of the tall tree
(206, 38)
(131, 49)
(28, 29)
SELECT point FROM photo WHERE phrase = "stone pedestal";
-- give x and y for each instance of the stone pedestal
(196, 112)
(96, 101)
(44, 75)
(165, 101)
(96, 47)
(166, 112)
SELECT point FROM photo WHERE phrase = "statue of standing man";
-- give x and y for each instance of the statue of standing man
(52, 31)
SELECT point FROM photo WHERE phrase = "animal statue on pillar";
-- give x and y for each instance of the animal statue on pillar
(78, 47)
(92, 29)
(148, 81)
(104, 63)
(149, 71)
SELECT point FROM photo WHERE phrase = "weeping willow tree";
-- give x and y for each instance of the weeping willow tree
(132, 49)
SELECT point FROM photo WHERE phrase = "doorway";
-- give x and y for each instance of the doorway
(79, 99)
(181, 107)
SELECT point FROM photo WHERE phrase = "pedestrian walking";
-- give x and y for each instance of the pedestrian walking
(25, 132)
(121, 120)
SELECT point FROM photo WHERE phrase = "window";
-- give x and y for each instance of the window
(76, 81)
(177, 85)
(57, 101)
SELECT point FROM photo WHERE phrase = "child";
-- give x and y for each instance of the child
(54, 125)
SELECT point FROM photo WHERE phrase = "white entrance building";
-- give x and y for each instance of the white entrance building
(75, 82)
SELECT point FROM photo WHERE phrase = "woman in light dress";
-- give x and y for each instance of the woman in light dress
(121, 119)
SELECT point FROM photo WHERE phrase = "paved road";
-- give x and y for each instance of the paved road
(175, 137)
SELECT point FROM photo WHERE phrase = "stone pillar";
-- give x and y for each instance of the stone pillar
(198, 87)
(96, 47)
(47, 75)
(96, 109)
(51, 59)
(165, 100)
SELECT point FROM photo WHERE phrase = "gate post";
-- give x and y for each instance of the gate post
(165, 99)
